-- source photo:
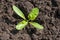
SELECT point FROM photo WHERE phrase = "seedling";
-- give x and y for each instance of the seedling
(32, 16)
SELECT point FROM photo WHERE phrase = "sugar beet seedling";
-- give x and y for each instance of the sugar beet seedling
(32, 15)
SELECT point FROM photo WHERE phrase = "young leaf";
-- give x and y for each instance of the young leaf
(21, 25)
(18, 12)
(33, 14)
(36, 25)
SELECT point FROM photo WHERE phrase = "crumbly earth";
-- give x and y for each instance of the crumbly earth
(49, 17)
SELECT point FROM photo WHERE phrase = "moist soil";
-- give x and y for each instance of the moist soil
(49, 17)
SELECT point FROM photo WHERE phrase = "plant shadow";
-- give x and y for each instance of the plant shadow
(31, 31)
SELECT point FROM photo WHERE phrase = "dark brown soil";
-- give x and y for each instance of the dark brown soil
(49, 17)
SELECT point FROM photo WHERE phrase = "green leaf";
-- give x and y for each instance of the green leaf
(18, 12)
(36, 25)
(33, 14)
(21, 25)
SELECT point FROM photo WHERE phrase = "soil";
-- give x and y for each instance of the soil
(49, 17)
